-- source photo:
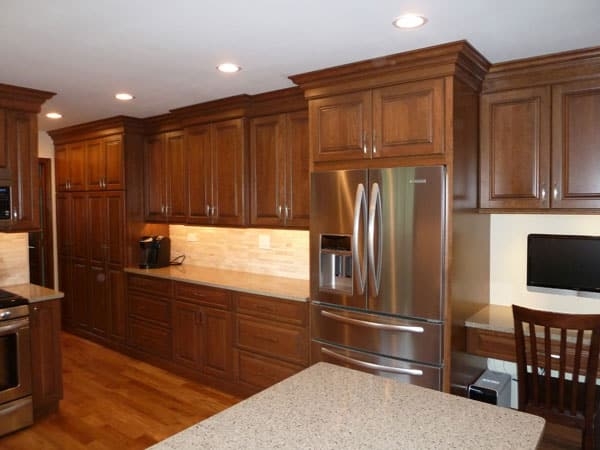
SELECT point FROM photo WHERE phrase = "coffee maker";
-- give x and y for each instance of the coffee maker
(155, 252)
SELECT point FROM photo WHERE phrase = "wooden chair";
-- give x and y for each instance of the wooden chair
(554, 351)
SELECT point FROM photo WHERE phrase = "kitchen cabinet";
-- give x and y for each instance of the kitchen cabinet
(271, 340)
(104, 164)
(69, 161)
(165, 189)
(279, 170)
(216, 172)
(393, 121)
(46, 365)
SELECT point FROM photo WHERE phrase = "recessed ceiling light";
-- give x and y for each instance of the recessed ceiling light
(124, 96)
(54, 115)
(228, 68)
(409, 21)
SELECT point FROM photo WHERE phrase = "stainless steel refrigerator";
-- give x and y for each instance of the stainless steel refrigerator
(376, 271)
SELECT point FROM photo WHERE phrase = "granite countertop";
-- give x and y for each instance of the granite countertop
(331, 407)
(492, 317)
(287, 288)
(33, 292)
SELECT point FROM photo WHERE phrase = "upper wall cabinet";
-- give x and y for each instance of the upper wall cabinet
(70, 166)
(105, 164)
(540, 138)
(19, 156)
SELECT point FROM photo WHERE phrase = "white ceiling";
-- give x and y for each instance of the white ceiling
(165, 51)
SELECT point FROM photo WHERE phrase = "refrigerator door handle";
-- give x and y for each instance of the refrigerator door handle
(377, 325)
(368, 365)
(374, 259)
(360, 206)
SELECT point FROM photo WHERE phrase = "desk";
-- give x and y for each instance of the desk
(490, 333)
(331, 407)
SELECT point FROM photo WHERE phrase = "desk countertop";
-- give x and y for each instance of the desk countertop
(492, 317)
(331, 407)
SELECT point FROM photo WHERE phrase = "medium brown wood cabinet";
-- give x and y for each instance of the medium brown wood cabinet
(104, 164)
(215, 173)
(402, 120)
(164, 184)
(69, 161)
(279, 170)
(46, 362)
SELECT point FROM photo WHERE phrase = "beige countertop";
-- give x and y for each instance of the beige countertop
(287, 288)
(492, 317)
(331, 407)
(33, 292)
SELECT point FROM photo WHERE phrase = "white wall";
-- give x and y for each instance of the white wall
(508, 261)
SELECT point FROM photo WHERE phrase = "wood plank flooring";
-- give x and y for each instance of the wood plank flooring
(115, 402)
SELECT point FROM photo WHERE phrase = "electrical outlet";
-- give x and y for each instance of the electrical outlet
(264, 241)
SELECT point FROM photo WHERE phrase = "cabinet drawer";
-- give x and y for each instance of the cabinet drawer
(151, 308)
(202, 295)
(261, 372)
(149, 284)
(271, 308)
(491, 344)
(150, 338)
(285, 342)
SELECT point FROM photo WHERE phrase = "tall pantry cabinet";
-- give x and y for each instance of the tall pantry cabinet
(99, 220)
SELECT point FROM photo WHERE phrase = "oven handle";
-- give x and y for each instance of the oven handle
(11, 326)
(368, 365)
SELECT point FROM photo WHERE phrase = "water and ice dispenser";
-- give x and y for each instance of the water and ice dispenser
(336, 263)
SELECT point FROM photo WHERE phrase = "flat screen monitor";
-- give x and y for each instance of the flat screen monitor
(563, 262)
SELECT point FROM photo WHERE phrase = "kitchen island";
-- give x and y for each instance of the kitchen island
(331, 407)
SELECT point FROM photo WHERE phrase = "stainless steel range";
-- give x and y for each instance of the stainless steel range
(16, 409)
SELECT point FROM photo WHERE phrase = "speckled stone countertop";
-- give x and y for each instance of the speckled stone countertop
(492, 317)
(331, 407)
(287, 288)
(33, 292)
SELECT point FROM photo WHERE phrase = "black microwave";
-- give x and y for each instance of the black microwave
(4, 202)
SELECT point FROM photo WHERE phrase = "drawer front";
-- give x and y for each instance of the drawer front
(289, 343)
(151, 308)
(150, 338)
(202, 295)
(149, 284)
(491, 344)
(261, 372)
(274, 309)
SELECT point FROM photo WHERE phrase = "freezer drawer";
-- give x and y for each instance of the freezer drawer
(404, 371)
(390, 336)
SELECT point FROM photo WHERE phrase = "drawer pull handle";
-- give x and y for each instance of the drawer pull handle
(368, 365)
(379, 326)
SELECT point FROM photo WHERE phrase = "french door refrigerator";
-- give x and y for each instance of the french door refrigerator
(376, 271)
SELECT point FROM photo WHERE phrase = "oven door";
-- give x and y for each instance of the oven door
(15, 360)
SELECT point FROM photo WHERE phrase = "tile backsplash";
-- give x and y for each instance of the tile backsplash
(264, 251)
(14, 258)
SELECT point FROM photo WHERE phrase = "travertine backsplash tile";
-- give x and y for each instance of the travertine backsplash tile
(14, 258)
(271, 252)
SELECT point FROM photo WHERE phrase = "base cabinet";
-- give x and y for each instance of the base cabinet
(46, 362)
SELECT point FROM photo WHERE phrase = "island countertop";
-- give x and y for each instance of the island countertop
(331, 407)
(33, 292)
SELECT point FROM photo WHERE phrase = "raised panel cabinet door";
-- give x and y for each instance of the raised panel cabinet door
(155, 181)
(340, 127)
(4, 156)
(64, 223)
(115, 227)
(175, 168)
(229, 172)
(408, 119)
(46, 359)
(515, 149)
(116, 303)
(76, 166)
(80, 226)
(297, 186)
(576, 145)
(217, 355)
(267, 170)
(80, 291)
(65, 285)
(61, 167)
(97, 237)
(95, 165)
(97, 295)
(198, 174)
(114, 165)
(187, 334)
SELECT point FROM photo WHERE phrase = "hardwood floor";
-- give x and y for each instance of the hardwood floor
(115, 402)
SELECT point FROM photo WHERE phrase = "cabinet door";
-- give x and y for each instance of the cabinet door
(228, 169)
(198, 174)
(79, 225)
(4, 156)
(97, 295)
(576, 145)
(340, 127)
(65, 284)
(80, 291)
(297, 188)
(187, 334)
(76, 166)
(217, 357)
(116, 303)
(115, 228)
(113, 163)
(267, 170)
(46, 362)
(98, 226)
(95, 165)
(61, 167)
(21, 142)
(515, 149)
(408, 119)
(155, 178)
(175, 170)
